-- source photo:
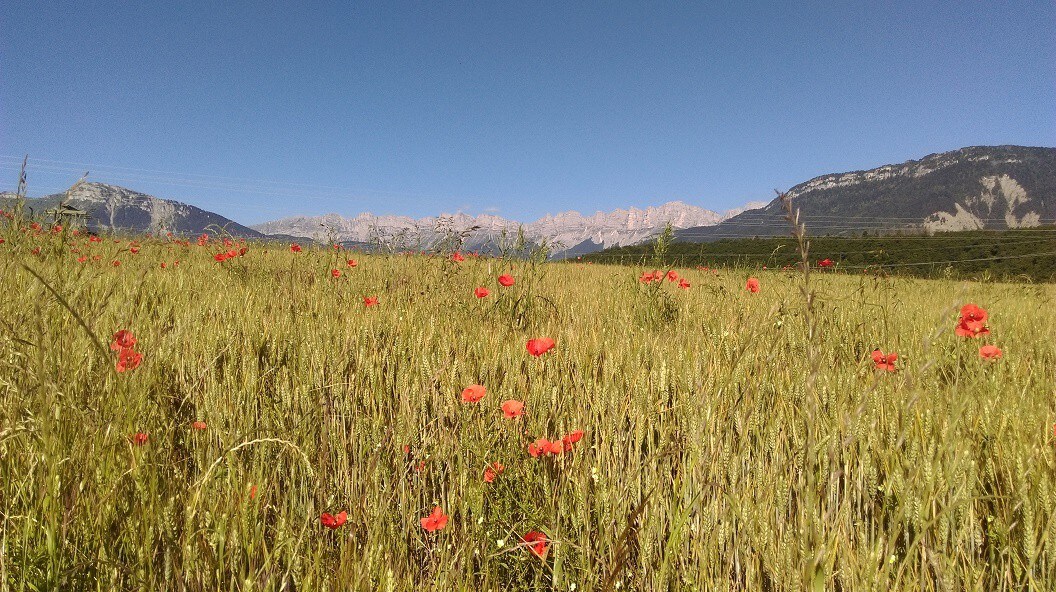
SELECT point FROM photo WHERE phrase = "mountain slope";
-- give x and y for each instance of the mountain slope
(983, 187)
(115, 208)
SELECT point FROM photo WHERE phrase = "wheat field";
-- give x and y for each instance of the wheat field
(731, 440)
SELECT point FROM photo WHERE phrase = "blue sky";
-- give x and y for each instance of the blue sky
(261, 110)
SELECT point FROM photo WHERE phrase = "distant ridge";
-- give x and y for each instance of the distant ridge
(113, 208)
(567, 233)
(975, 188)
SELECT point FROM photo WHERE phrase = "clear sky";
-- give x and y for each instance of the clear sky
(260, 110)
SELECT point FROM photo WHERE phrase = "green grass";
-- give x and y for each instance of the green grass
(724, 449)
(1017, 255)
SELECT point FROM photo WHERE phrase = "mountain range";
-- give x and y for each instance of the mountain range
(981, 187)
(974, 188)
(566, 234)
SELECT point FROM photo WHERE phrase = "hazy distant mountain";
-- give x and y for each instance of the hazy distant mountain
(112, 208)
(983, 187)
(567, 232)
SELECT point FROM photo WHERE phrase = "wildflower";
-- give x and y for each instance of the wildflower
(493, 470)
(295, 248)
(884, 361)
(672, 276)
(140, 438)
(370, 301)
(352, 263)
(115, 263)
(512, 408)
(457, 257)
(682, 283)
(506, 280)
(972, 322)
(56, 229)
(826, 263)
(539, 346)
(134, 250)
(253, 491)
(651, 276)
(220, 257)
(335, 273)
(537, 542)
(990, 352)
(334, 522)
(473, 393)
(752, 285)
(82, 259)
(435, 521)
(123, 339)
(199, 425)
(571, 439)
(128, 359)
(539, 447)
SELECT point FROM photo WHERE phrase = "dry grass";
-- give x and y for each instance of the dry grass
(709, 462)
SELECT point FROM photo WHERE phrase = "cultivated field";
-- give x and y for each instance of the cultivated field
(730, 440)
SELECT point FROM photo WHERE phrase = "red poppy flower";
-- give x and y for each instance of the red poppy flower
(335, 273)
(163, 266)
(537, 542)
(370, 301)
(333, 522)
(825, 263)
(435, 521)
(493, 470)
(83, 259)
(539, 447)
(884, 361)
(295, 248)
(221, 257)
(253, 491)
(140, 438)
(556, 447)
(481, 292)
(199, 425)
(506, 280)
(473, 393)
(243, 251)
(128, 359)
(352, 263)
(990, 352)
(512, 408)
(134, 250)
(539, 346)
(123, 339)
(672, 276)
(115, 263)
(457, 257)
(682, 283)
(571, 439)
(752, 285)
(972, 322)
